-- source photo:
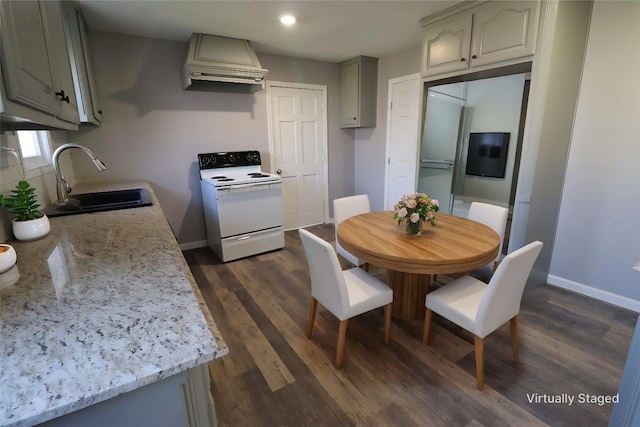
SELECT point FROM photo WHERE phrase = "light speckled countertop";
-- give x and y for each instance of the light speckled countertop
(104, 304)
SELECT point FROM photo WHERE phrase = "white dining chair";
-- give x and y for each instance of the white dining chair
(492, 216)
(346, 293)
(344, 208)
(482, 308)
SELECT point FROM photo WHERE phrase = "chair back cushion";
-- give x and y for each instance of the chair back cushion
(344, 208)
(327, 280)
(492, 216)
(501, 301)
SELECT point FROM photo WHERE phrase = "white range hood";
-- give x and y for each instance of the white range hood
(222, 64)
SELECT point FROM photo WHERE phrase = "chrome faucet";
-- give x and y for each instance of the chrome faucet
(62, 186)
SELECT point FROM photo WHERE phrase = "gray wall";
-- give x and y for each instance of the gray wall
(371, 142)
(153, 130)
(598, 234)
(544, 169)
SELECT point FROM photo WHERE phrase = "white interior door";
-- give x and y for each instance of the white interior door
(403, 132)
(298, 137)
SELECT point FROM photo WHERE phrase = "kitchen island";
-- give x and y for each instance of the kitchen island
(104, 308)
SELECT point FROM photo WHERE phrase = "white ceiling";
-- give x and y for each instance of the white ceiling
(326, 30)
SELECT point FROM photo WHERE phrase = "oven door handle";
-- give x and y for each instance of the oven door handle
(249, 187)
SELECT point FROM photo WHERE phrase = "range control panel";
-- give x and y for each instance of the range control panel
(229, 159)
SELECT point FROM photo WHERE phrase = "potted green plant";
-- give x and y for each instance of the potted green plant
(29, 222)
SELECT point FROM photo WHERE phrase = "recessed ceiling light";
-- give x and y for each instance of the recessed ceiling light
(288, 19)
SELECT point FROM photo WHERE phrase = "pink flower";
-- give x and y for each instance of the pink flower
(415, 208)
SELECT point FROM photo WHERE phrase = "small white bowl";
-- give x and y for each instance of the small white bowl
(8, 257)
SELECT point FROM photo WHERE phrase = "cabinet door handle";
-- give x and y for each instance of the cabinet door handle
(474, 57)
(62, 97)
(462, 59)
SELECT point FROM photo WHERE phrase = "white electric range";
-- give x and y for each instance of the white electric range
(242, 204)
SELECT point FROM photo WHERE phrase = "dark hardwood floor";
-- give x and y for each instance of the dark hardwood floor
(275, 376)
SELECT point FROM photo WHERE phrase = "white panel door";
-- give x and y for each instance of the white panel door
(402, 138)
(298, 137)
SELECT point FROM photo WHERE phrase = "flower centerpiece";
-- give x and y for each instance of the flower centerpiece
(415, 209)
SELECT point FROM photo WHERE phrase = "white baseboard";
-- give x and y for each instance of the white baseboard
(193, 245)
(599, 294)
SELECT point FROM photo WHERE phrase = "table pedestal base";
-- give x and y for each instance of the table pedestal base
(409, 292)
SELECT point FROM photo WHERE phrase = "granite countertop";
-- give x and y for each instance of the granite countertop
(104, 304)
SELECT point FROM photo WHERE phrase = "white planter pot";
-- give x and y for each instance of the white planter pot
(31, 230)
(8, 257)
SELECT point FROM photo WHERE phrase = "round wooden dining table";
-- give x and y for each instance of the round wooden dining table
(454, 245)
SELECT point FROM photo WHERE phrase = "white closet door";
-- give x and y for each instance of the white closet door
(402, 138)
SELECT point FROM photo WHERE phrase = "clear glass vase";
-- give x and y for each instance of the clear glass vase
(415, 228)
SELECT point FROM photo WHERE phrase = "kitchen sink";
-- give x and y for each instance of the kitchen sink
(101, 201)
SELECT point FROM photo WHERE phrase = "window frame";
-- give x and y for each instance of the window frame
(37, 165)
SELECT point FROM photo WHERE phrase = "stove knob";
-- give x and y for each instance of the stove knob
(232, 158)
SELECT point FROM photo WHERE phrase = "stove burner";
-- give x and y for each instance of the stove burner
(258, 175)
(225, 179)
(218, 177)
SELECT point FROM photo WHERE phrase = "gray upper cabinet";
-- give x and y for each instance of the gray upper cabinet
(494, 33)
(358, 91)
(82, 70)
(38, 88)
(29, 77)
(68, 106)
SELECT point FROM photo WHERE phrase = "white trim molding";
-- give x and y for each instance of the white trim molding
(599, 294)
(193, 245)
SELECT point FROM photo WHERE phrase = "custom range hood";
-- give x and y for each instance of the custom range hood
(222, 64)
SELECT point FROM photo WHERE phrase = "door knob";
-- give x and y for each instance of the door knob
(279, 171)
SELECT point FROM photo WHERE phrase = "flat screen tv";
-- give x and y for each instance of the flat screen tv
(487, 154)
